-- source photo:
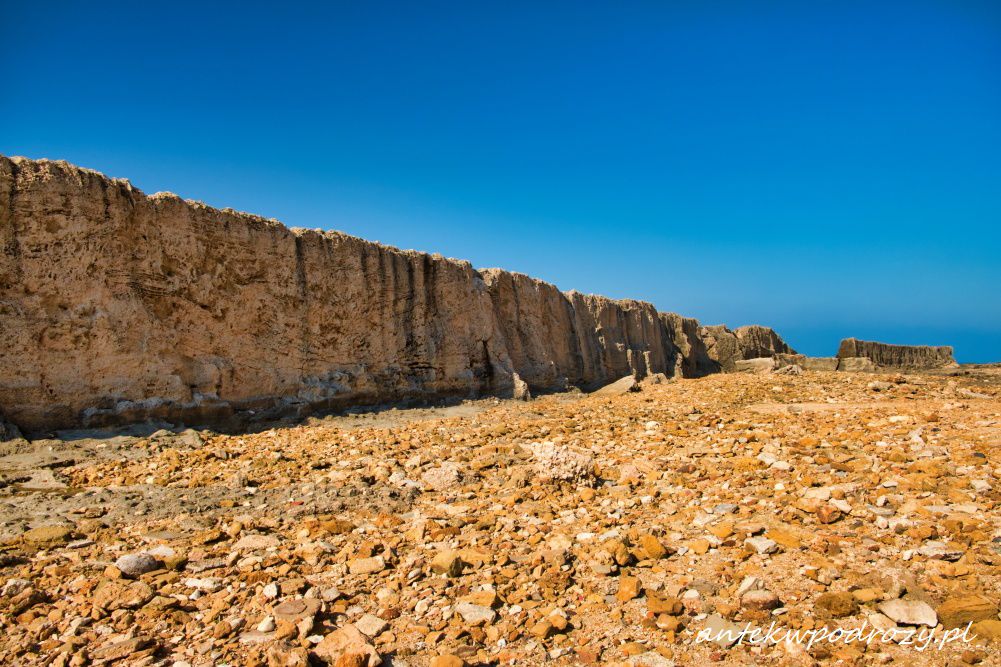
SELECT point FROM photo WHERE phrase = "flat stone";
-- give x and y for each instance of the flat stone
(349, 645)
(629, 588)
(256, 542)
(122, 649)
(475, 614)
(447, 660)
(366, 565)
(371, 625)
(47, 536)
(295, 610)
(939, 551)
(762, 545)
(722, 632)
(909, 612)
(114, 595)
(989, 630)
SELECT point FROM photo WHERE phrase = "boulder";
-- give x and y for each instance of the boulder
(347, 645)
(559, 463)
(621, 386)
(957, 611)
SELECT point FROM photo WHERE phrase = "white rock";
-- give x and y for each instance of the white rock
(444, 477)
(721, 631)
(474, 614)
(762, 545)
(371, 625)
(820, 493)
(939, 551)
(14, 587)
(560, 463)
(256, 542)
(747, 584)
(909, 612)
(135, 565)
(207, 584)
(842, 505)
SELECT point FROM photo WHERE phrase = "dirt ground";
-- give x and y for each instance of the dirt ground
(568, 529)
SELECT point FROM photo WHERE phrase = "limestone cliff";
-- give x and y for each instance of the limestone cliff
(116, 306)
(897, 356)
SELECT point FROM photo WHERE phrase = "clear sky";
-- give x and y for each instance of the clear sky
(827, 168)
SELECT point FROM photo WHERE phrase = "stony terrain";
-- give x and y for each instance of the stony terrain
(573, 528)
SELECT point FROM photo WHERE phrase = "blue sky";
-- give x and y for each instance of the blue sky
(827, 168)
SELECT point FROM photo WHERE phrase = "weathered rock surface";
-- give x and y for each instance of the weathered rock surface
(117, 307)
(897, 356)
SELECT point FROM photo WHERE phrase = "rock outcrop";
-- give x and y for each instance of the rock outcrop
(725, 347)
(116, 307)
(756, 341)
(784, 360)
(897, 356)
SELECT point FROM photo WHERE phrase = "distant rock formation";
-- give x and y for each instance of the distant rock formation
(806, 363)
(116, 307)
(896, 356)
(726, 347)
(758, 341)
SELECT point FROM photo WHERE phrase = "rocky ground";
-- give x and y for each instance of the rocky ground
(568, 529)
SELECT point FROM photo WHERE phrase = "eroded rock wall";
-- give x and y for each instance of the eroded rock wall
(756, 341)
(116, 306)
(691, 355)
(897, 356)
(556, 339)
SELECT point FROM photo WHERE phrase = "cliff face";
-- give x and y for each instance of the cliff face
(691, 354)
(116, 306)
(897, 356)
